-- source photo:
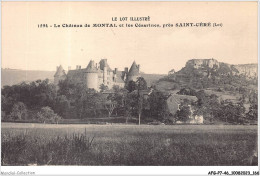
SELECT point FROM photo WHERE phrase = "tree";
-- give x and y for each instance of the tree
(103, 87)
(207, 105)
(184, 113)
(158, 105)
(130, 86)
(131, 103)
(46, 114)
(94, 102)
(110, 106)
(7, 103)
(141, 84)
(34, 95)
(62, 106)
(56, 118)
(118, 99)
(253, 109)
(187, 91)
(19, 111)
(140, 107)
(230, 112)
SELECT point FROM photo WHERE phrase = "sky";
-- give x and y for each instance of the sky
(157, 50)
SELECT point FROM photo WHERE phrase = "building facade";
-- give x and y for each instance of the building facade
(94, 75)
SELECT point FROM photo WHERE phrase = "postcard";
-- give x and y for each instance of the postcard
(136, 85)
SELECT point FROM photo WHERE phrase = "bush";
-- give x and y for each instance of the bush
(47, 115)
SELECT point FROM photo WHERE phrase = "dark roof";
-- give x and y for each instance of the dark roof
(179, 98)
(60, 71)
(76, 73)
(134, 70)
(103, 63)
(119, 76)
(91, 68)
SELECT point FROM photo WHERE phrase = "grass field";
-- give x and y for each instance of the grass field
(176, 145)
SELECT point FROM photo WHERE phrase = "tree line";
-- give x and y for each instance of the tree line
(42, 101)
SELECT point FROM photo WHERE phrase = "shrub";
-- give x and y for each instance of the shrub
(47, 115)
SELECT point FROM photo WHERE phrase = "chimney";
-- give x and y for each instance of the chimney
(126, 69)
(79, 67)
(116, 70)
(57, 68)
(69, 68)
(138, 66)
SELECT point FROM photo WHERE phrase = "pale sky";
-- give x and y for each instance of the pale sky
(157, 50)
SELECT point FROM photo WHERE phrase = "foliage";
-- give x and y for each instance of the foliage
(187, 91)
(231, 112)
(19, 111)
(184, 113)
(75, 100)
(62, 106)
(130, 86)
(207, 105)
(103, 87)
(253, 109)
(110, 106)
(141, 84)
(157, 103)
(47, 115)
(34, 95)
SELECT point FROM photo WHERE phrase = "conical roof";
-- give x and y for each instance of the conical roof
(91, 68)
(134, 70)
(60, 72)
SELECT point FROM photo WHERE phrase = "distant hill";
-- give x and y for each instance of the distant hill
(15, 76)
(206, 73)
(151, 79)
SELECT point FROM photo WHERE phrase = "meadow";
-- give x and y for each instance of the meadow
(131, 145)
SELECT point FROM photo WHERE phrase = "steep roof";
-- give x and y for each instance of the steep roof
(91, 68)
(134, 70)
(60, 72)
(76, 74)
(179, 98)
(103, 63)
(174, 100)
(119, 77)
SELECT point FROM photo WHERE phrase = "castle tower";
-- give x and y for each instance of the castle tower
(105, 75)
(134, 72)
(106, 69)
(91, 73)
(59, 75)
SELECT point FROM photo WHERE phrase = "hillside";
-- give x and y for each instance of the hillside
(15, 76)
(151, 79)
(209, 73)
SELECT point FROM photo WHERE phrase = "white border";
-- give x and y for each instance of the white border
(126, 170)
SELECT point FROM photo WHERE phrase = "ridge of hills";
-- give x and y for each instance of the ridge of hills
(17, 76)
(197, 73)
(209, 73)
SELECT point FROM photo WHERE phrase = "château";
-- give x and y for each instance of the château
(96, 74)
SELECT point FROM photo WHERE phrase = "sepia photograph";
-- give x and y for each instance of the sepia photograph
(129, 84)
